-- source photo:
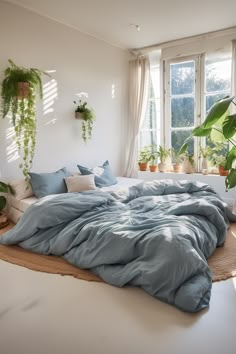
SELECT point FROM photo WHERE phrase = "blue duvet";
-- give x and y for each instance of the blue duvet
(156, 236)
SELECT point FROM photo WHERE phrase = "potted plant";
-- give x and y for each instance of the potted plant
(205, 152)
(163, 154)
(19, 90)
(4, 188)
(87, 116)
(188, 164)
(143, 158)
(152, 158)
(178, 159)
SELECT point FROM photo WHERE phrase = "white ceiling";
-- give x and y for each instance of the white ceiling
(159, 20)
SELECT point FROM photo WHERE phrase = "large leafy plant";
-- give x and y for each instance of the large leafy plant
(4, 188)
(21, 108)
(88, 118)
(220, 126)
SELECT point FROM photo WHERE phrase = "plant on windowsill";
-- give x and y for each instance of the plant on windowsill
(4, 188)
(19, 90)
(218, 159)
(205, 152)
(152, 159)
(87, 116)
(188, 164)
(178, 160)
(143, 158)
(163, 154)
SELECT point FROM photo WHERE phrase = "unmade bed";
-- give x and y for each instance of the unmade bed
(154, 235)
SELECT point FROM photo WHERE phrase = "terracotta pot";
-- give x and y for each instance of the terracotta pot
(23, 90)
(222, 171)
(143, 166)
(162, 167)
(176, 167)
(153, 168)
(78, 115)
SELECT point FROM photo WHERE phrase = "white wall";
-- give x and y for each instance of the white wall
(82, 64)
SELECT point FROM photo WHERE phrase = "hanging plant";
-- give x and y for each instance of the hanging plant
(20, 88)
(88, 117)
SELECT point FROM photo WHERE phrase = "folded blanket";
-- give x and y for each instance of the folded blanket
(157, 235)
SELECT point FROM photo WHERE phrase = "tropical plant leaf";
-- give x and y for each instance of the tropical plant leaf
(183, 149)
(217, 111)
(230, 158)
(201, 131)
(217, 130)
(3, 187)
(230, 180)
(3, 202)
(229, 126)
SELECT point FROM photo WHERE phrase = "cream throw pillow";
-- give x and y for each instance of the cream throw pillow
(80, 183)
(22, 189)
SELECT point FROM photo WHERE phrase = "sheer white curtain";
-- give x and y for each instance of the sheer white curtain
(234, 69)
(139, 76)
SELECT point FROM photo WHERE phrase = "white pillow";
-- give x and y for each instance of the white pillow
(22, 189)
(80, 183)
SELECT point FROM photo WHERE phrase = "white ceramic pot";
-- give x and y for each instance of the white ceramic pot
(187, 167)
(204, 166)
(161, 167)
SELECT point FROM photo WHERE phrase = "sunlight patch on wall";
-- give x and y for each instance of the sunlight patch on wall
(50, 94)
(113, 91)
(11, 150)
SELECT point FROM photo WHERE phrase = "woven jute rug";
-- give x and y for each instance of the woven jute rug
(222, 263)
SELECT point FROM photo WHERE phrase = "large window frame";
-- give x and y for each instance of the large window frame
(200, 100)
(168, 96)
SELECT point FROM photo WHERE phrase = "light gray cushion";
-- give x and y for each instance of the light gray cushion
(80, 183)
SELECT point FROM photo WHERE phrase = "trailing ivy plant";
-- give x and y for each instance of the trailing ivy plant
(220, 126)
(21, 108)
(88, 118)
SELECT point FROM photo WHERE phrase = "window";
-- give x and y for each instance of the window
(181, 109)
(193, 85)
(150, 131)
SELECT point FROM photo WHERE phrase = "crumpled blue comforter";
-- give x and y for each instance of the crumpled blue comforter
(156, 236)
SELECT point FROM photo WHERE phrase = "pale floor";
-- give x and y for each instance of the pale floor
(49, 314)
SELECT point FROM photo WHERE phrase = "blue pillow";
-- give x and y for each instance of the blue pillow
(49, 183)
(103, 174)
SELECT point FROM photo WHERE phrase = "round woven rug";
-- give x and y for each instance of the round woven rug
(222, 263)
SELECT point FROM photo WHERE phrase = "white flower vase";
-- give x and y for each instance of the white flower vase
(187, 166)
(204, 166)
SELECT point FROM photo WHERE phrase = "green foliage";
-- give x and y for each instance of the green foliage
(177, 156)
(220, 126)
(205, 151)
(4, 188)
(163, 153)
(88, 119)
(216, 153)
(22, 109)
(144, 155)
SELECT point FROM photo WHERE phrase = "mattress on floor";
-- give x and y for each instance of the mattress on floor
(18, 206)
